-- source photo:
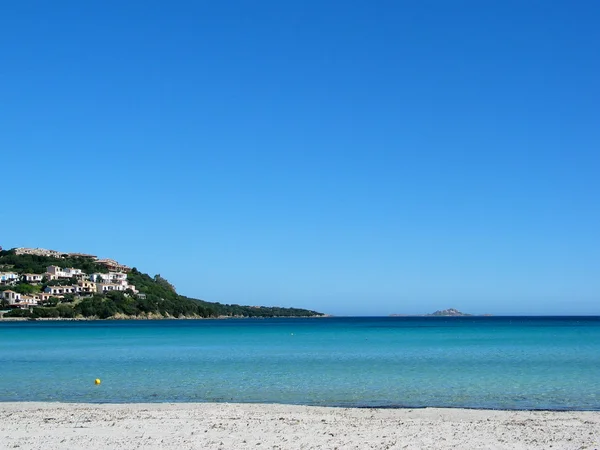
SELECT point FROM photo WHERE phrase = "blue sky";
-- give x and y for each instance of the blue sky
(357, 158)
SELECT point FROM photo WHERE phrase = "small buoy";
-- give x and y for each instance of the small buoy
(97, 381)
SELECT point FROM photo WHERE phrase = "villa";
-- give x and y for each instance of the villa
(33, 278)
(107, 287)
(111, 264)
(8, 277)
(11, 296)
(43, 296)
(26, 301)
(60, 290)
(110, 277)
(55, 272)
(86, 287)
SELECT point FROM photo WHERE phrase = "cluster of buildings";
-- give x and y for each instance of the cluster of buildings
(110, 264)
(84, 285)
(38, 252)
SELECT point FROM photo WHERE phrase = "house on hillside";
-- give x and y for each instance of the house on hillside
(110, 277)
(86, 287)
(26, 301)
(55, 272)
(11, 296)
(44, 296)
(60, 290)
(8, 277)
(113, 265)
(103, 288)
(70, 272)
(32, 278)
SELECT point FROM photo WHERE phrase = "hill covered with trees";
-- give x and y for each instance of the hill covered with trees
(156, 297)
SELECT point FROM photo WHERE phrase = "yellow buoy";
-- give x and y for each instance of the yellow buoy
(97, 381)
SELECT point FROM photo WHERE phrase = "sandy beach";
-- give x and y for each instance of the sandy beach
(251, 426)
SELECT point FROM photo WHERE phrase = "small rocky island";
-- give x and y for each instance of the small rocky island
(451, 312)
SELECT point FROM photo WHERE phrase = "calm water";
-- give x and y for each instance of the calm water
(485, 362)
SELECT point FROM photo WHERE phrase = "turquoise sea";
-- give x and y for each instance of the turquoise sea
(475, 362)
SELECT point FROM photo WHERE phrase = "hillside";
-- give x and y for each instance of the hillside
(155, 296)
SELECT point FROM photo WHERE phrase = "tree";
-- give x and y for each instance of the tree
(25, 289)
(52, 301)
(163, 282)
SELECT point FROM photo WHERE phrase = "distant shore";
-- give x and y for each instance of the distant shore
(440, 315)
(252, 426)
(153, 317)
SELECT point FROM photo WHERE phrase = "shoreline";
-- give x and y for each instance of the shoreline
(145, 318)
(229, 425)
(267, 404)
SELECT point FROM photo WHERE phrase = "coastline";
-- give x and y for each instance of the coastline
(228, 425)
(149, 317)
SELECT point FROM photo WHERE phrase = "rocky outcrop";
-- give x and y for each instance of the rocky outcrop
(449, 312)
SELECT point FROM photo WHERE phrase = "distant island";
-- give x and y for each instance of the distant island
(450, 312)
(37, 283)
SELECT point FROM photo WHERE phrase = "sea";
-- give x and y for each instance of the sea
(518, 363)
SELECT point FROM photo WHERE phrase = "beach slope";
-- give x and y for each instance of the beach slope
(250, 426)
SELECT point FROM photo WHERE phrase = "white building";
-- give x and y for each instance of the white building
(8, 277)
(68, 272)
(103, 288)
(110, 277)
(71, 272)
(32, 277)
(60, 290)
(86, 287)
(11, 296)
(27, 301)
(43, 296)
(54, 271)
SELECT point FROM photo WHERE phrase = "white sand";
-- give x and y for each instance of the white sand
(238, 426)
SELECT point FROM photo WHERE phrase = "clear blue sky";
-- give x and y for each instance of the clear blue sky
(354, 157)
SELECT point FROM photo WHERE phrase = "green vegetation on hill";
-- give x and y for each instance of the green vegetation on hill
(156, 298)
